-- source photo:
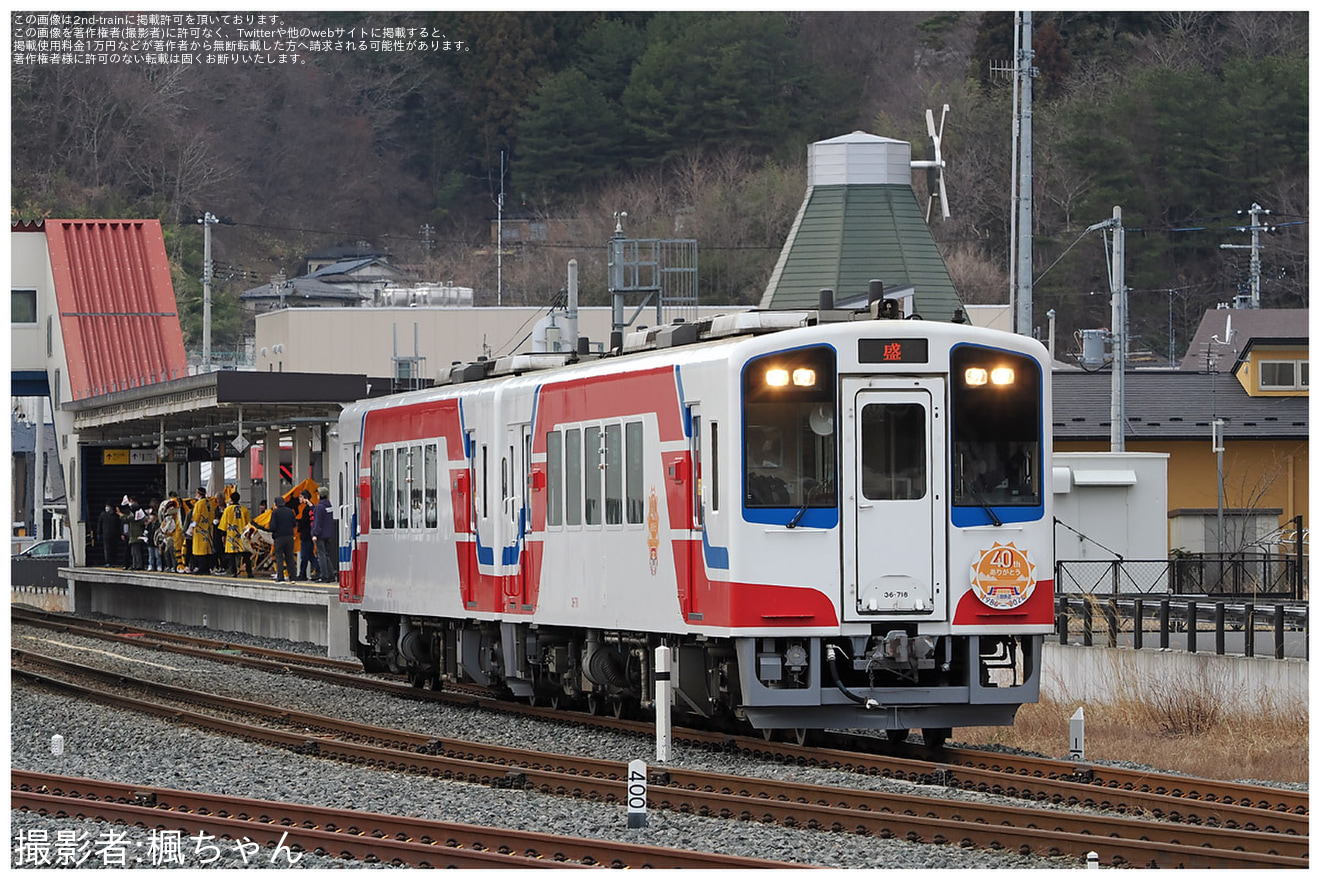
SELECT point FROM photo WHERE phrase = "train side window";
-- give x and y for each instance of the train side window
(432, 499)
(554, 476)
(697, 517)
(401, 488)
(485, 482)
(573, 477)
(715, 467)
(614, 475)
(636, 506)
(387, 489)
(591, 461)
(416, 486)
(375, 489)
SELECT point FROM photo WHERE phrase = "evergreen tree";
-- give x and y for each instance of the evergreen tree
(570, 136)
(727, 80)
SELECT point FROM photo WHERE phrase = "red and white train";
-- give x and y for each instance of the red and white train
(831, 523)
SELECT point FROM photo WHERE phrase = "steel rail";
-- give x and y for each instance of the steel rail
(767, 800)
(1190, 787)
(1161, 796)
(136, 635)
(347, 833)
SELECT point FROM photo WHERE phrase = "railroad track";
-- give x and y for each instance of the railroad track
(345, 834)
(1136, 792)
(1121, 840)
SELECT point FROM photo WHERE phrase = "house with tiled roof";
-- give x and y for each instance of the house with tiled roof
(1224, 334)
(347, 282)
(1265, 442)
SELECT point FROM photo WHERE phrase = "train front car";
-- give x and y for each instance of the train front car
(898, 473)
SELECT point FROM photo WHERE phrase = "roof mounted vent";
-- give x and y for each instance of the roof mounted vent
(522, 363)
(742, 323)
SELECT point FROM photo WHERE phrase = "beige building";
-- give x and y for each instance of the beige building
(374, 340)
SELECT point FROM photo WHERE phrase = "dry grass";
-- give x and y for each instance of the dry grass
(1179, 727)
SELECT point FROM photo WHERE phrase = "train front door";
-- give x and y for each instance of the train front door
(893, 510)
(355, 497)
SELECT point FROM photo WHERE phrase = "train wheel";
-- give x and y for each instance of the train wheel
(417, 677)
(768, 734)
(897, 735)
(594, 704)
(618, 707)
(936, 737)
(802, 735)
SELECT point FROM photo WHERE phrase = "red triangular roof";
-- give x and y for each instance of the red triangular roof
(116, 304)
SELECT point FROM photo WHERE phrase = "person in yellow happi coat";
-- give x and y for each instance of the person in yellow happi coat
(232, 523)
(203, 538)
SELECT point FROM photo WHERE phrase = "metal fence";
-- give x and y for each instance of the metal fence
(1194, 624)
(1239, 575)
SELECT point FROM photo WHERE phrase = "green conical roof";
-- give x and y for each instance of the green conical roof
(847, 235)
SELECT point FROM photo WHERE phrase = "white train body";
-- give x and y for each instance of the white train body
(834, 524)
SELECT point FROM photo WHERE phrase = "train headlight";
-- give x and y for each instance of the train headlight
(975, 376)
(804, 378)
(776, 377)
(1002, 375)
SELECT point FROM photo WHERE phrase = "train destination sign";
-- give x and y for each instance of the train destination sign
(893, 351)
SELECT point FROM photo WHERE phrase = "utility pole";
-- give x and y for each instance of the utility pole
(1118, 330)
(1255, 211)
(1118, 389)
(207, 220)
(1025, 71)
(499, 239)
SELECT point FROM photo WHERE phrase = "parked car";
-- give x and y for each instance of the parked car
(39, 565)
(46, 550)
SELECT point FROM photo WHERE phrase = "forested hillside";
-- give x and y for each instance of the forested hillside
(697, 125)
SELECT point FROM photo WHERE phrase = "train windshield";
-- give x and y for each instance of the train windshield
(788, 430)
(996, 398)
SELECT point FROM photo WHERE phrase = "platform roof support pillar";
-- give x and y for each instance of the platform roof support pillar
(302, 453)
(271, 469)
(244, 481)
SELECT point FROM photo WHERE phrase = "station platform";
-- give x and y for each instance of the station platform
(302, 611)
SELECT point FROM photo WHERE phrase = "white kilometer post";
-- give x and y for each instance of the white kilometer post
(636, 782)
(664, 700)
(1077, 735)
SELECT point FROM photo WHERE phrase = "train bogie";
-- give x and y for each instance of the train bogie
(838, 524)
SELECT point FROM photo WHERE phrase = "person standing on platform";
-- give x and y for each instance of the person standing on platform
(203, 521)
(327, 537)
(232, 523)
(135, 519)
(108, 532)
(283, 523)
(171, 533)
(306, 550)
(153, 539)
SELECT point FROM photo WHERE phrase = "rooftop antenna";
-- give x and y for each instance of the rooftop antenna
(937, 166)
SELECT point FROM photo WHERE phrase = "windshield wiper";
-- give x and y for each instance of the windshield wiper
(980, 499)
(802, 511)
